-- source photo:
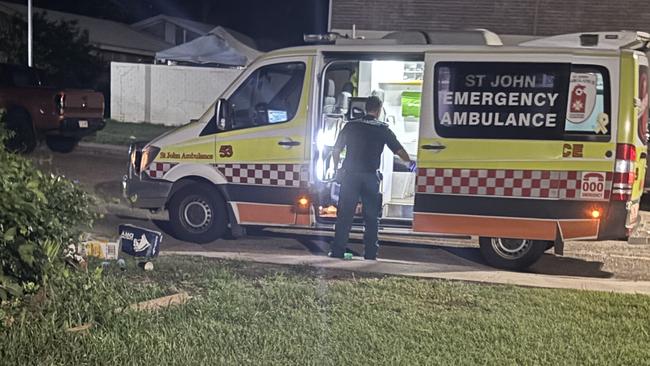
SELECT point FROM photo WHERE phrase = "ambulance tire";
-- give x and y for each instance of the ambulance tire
(511, 254)
(197, 213)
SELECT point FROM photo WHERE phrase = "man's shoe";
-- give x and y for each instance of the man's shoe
(370, 258)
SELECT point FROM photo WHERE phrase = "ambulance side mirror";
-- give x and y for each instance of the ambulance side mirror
(223, 115)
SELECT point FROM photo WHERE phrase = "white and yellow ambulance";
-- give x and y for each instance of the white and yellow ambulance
(522, 146)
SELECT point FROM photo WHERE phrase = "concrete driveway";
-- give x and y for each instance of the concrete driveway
(99, 171)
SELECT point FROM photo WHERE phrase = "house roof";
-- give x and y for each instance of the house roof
(103, 34)
(196, 27)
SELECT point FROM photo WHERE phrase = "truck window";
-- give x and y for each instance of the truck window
(269, 95)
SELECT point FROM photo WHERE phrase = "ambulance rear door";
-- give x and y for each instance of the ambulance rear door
(492, 149)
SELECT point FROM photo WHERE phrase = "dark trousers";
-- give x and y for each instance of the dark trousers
(355, 185)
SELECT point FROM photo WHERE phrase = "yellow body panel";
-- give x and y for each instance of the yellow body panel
(197, 150)
(629, 85)
(629, 110)
(261, 150)
(514, 154)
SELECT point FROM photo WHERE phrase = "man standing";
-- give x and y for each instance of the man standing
(364, 141)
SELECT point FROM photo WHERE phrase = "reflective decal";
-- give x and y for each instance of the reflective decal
(225, 151)
(592, 185)
(582, 97)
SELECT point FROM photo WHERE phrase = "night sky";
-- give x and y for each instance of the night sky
(272, 23)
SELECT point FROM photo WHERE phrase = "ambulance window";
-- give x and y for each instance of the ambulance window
(588, 105)
(501, 100)
(269, 95)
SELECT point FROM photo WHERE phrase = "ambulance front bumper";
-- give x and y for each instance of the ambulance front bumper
(140, 190)
(146, 192)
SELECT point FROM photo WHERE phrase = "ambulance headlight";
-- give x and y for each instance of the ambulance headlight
(149, 154)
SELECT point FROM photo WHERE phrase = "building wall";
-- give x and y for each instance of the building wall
(527, 17)
(160, 94)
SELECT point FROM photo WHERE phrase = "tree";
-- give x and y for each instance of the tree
(61, 49)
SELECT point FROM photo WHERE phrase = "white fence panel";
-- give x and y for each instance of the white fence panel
(161, 94)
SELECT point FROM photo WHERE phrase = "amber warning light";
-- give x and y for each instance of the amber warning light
(595, 214)
(303, 202)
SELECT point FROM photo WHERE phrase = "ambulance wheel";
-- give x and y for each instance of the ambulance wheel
(197, 213)
(511, 254)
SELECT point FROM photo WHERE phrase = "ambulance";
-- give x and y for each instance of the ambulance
(524, 146)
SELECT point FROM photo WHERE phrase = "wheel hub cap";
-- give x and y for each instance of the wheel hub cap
(197, 214)
(511, 248)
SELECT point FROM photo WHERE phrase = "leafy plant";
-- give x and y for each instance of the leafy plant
(40, 215)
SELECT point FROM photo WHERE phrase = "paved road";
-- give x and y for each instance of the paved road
(100, 173)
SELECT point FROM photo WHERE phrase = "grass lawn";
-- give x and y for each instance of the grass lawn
(124, 133)
(245, 313)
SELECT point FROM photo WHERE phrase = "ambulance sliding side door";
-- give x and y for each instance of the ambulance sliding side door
(262, 146)
(490, 157)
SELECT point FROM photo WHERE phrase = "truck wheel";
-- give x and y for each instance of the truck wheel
(511, 254)
(62, 144)
(197, 213)
(24, 139)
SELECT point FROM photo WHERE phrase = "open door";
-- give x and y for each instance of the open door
(345, 85)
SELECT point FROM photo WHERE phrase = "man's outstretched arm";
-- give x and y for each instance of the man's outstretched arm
(404, 155)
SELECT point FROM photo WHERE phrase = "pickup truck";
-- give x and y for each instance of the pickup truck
(35, 112)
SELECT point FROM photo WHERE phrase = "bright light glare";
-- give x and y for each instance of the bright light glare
(319, 168)
(320, 141)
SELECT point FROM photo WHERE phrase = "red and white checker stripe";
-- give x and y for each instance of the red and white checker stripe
(158, 170)
(282, 175)
(504, 183)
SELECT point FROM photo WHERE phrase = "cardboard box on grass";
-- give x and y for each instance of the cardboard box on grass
(139, 242)
(101, 249)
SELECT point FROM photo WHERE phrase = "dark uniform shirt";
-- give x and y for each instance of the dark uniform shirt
(365, 140)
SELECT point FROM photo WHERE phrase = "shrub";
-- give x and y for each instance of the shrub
(40, 214)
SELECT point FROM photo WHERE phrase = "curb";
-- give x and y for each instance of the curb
(131, 212)
(103, 149)
(451, 272)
